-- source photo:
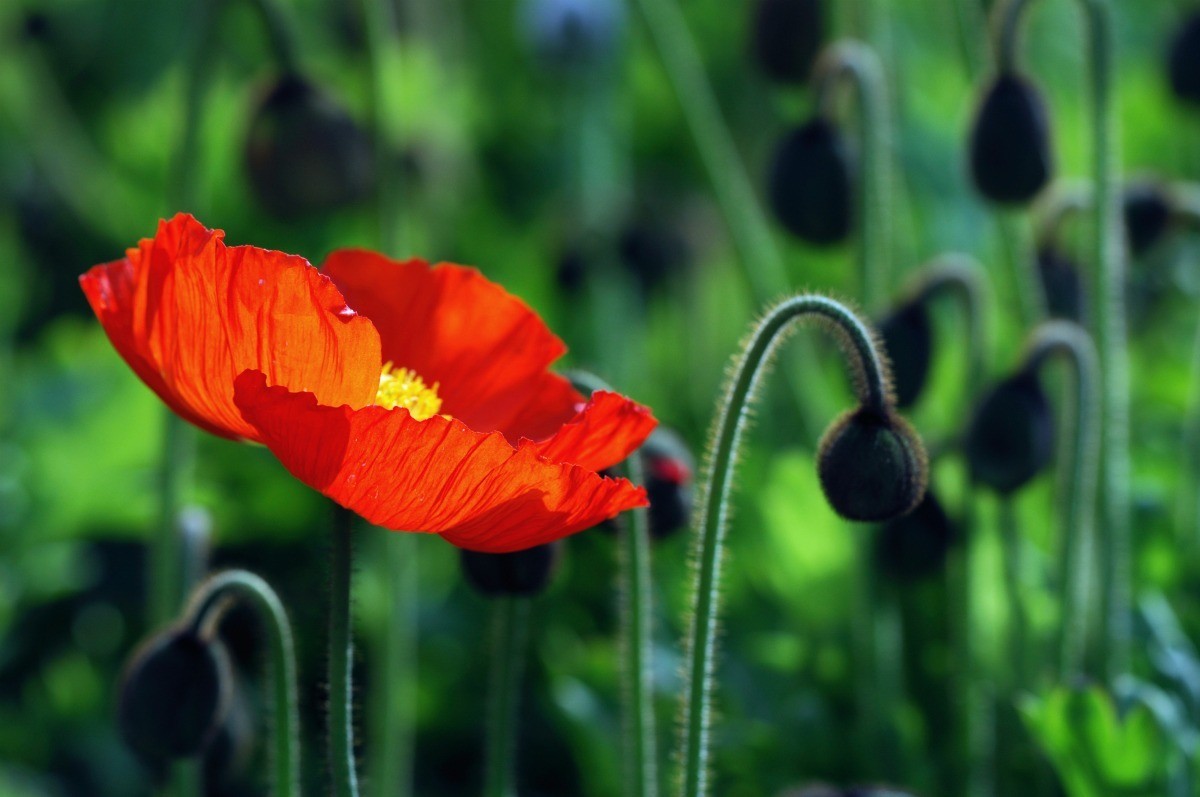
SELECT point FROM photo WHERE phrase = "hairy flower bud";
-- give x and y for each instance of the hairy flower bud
(908, 339)
(916, 545)
(872, 466)
(1183, 61)
(1062, 283)
(1147, 211)
(1011, 436)
(810, 187)
(1010, 150)
(174, 694)
(787, 37)
(517, 574)
(304, 153)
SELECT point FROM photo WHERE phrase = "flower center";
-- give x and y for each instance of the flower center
(401, 387)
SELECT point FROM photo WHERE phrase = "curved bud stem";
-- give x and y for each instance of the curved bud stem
(1070, 341)
(963, 277)
(280, 33)
(510, 632)
(636, 611)
(852, 62)
(207, 607)
(871, 384)
(1108, 256)
(1067, 200)
(1008, 24)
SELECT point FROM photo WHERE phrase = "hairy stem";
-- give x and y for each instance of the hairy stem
(729, 425)
(510, 631)
(341, 654)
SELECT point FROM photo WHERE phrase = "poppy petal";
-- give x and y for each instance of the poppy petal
(486, 349)
(189, 314)
(607, 430)
(436, 475)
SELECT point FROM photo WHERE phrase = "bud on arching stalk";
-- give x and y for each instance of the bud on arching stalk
(811, 185)
(871, 465)
(908, 338)
(517, 574)
(669, 468)
(174, 694)
(1062, 283)
(916, 545)
(1011, 436)
(304, 153)
(1148, 215)
(1183, 61)
(787, 36)
(1010, 148)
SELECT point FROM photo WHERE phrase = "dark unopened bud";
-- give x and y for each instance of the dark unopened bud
(652, 252)
(810, 187)
(304, 153)
(915, 546)
(1183, 62)
(872, 466)
(521, 573)
(1147, 211)
(787, 38)
(1010, 152)
(908, 338)
(174, 695)
(1062, 283)
(231, 750)
(572, 34)
(570, 272)
(1011, 437)
(669, 468)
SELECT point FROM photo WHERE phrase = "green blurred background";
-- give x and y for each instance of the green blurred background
(487, 131)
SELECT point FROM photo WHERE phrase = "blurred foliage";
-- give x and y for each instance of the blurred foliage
(91, 109)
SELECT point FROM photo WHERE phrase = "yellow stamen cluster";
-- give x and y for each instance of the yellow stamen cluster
(401, 387)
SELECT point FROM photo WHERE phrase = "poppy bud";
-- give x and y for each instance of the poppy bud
(174, 694)
(651, 252)
(1010, 142)
(572, 34)
(787, 38)
(570, 272)
(668, 469)
(810, 185)
(915, 546)
(229, 753)
(1147, 211)
(871, 465)
(1183, 62)
(517, 574)
(304, 153)
(1011, 437)
(908, 339)
(1061, 283)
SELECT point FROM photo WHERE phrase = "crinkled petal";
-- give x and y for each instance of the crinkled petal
(435, 475)
(189, 314)
(486, 349)
(608, 429)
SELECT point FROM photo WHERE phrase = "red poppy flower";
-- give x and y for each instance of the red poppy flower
(417, 396)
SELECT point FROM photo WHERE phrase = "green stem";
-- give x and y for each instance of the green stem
(1078, 520)
(635, 608)
(969, 27)
(729, 425)
(856, 63)
(279, 32)
(1010, 538)
(1108, 257)
(510, 629)
(341, 654)
(208, 606)
(961, 276)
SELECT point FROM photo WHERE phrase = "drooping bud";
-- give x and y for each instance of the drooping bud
(1062, 283)
(916, 545)
(1010, 148)
(1147, 211)
(229, 754)
(652, 250)
(787, 36)
(517, 574)
(1011, 436)
(174, 694)
(572, 34)
(304, 153)
(1183, 61)
(871, 465)
(669, 468)
(810, 187)
(908, 339)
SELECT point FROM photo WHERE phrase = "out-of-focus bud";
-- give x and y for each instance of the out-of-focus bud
(872, 466)
(908, 338)
(305, 154)
(810, 186)
(1010, 148)
(519, 574)
(787, 36)
(915, 546)
(1148, 215)
(669, 470)
(1062, 283)
(1011, 436)
(1183, 61)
